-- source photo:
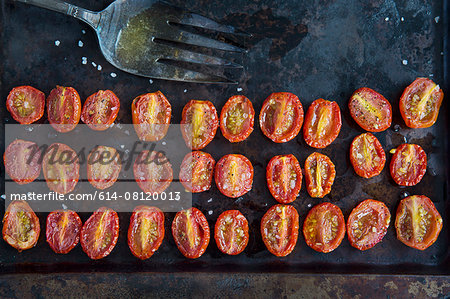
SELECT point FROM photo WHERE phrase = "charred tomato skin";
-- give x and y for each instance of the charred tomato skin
(372, 151)
(234, 169)
(237, 118)
(100, 110)
(65, 115)
(326, 166)
(63, 230)
(277, 166)
(196, 171)
(28, 96)
(407, 156)
(19, 169)
(236, 243)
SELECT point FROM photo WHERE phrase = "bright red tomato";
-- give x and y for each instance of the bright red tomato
(26, 104)
(420, 103)
(190, 231)
(408, 164)
(152, 171)
(281, 116)
(367, 155)
(319, 175)
(322, 123)
(231, 232)
(199, 123)
(103, 167)
(196, 171)
(63, 230)
(63, 108)
(284, 178)
(234, 175)
(100, 110)
(21, 160)
(237, 118)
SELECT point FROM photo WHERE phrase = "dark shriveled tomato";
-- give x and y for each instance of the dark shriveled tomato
(367, 155)
(281, 116)
(103, 167)
(322, 123)
(152, 171)
(191, 233)
(368, 224)
(420, 103)
(100, 110)
(21, 159)
(63, 230)
(324, 227)
(279, 229)
(370, 110)
(146, 231)
(231, 232)
(237, 118)
(26, 104)
(100, 233)
(151, 114)
(234, 175)
(199, 123)
(63, 108)
(319, 175)
(408, 164)
(196, 171)
(284, 178)
(417, 222)
(21, 227)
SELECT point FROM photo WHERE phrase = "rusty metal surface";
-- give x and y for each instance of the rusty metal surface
(311, 48)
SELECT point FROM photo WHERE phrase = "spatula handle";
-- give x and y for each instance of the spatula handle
(90, 17)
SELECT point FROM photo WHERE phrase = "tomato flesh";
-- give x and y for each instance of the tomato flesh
(63, 108)
(319, 175)
(63, 230)
(26, 104)
(237, 118)
(408, 164)
(21, 159)
(103, 168)
(100, 110)
(196, 171)
(152, 171)
(231, 232)
(367, 155)
(199, 123)
(284, 178)
(234, 175)
(322, 123)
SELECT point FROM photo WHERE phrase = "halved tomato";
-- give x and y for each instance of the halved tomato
(146, 231)
(284, 178)
(63, 108)
(324, 227)
(279, 229)
(281, 116)
(196, 171)
(26, 104)
(408, 164)
(190, 231)
(370, 110)
(367, 155)
(322, 123)
(151, 114)
(61, 168)
(100, 233)
(22, 161)
(319, 175)
(237, 118)
(152, 171)
(234, 175)
(199, 123)
(63, 230)
(103, 167)
(368, 224)
(231, 232)
(417, 223)
(100, 110)
(420, 103)
(21, 227)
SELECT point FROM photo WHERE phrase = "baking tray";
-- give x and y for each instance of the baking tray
(315, 49)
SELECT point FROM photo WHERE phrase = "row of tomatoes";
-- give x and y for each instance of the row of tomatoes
(417, 224)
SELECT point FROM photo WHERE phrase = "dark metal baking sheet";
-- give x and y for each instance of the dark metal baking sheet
(311, 48)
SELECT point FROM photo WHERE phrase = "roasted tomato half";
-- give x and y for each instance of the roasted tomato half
(368, 224)
(322, 123)
(100, 110)
(324, 227)
(146, 231)
(26, 104)
(21, 160)
(367, 155)
(420, 103)
(417, 223)
(234, 175)
(103, 167)
(237, 118)
(63, 230)
(281, 116)
(279, 229)
(196, 171)
(152, 171)
(199, 123)
(370, 110)
(61, 168)
(231, 232)
(63, 108)
(408, 164)
(190, 231)
(284, 178)
(151, 114)
(100, 233)
(319, 175)
(21, 227)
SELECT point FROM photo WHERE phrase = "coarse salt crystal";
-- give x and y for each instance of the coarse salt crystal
(99, 67)
(84, 60)
(83, 31)
(402, 19)
(210, 212)
(239, 89)
(94, 64)
(185, 90)
(163, 143)
(57, 43)
(386, 19)
(151, 81)
(113, 75)
(405, 62)
(437, 19)
(80, 44)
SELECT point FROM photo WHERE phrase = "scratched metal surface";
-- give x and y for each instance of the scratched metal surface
(311, 48)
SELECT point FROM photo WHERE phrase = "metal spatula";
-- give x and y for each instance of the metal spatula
(148, 38)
